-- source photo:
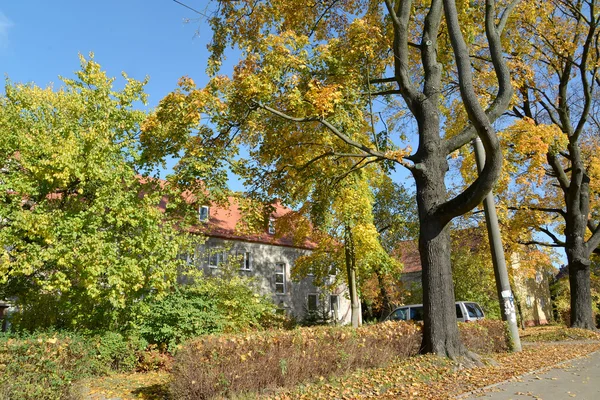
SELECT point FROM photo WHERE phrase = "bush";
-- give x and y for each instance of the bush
(222, 365)
(45, 365)
(215, 366)
(119, 352)
(211, 305)
(485, 336)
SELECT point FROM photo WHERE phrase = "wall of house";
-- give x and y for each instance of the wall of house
(533, 296)
(265, 261)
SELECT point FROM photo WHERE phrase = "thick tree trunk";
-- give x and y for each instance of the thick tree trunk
(578, 208)
(581, 299)
(440, 331)
(440, 335)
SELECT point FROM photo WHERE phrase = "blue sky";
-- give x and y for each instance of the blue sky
(40, 40)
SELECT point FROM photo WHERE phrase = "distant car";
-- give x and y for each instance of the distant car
(465, 311)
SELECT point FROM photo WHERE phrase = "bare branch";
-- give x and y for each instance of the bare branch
(541, 209)
(535, 242)
(383, 80)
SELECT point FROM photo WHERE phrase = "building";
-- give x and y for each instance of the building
(268, 257)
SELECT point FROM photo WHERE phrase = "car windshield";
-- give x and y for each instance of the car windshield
(473, 310)
(399, 315)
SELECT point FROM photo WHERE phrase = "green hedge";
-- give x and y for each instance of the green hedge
(46, 365)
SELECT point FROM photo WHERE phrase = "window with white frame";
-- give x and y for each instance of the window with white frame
(332, 270)
(245, 260)
(280, 286)
(216, 257)
(271, 229)
(312, 302)
(334, 303)
(203, 213)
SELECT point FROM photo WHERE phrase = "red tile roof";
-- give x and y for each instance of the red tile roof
(408, 252)
(225, 222)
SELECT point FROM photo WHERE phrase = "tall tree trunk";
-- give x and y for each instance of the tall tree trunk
(351, 271)
(440, 334)
(578, 254)
(581, 299)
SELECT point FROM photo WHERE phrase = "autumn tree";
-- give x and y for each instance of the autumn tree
(300, 98)
(554, 153)
(82, 239)
(396, 220)
(347, 242)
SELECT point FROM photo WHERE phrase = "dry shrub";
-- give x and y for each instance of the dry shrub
(214, 366)
(485, 336)
(220, 365)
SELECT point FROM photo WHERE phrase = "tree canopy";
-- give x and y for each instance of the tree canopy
(301, 100)
(82, 239)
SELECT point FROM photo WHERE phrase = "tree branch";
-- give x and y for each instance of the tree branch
(541, 209)
(502, 100)
(400, 20)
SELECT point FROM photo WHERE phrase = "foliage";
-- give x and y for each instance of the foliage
(432, 378)
(47, 365)
(550, 179)
(473, 273)
(223, 365)
(301, 100)
(82, 241)
(210, 305)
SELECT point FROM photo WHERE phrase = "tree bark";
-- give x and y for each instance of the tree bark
(581, 299)
(440, 335)
(351, 271)
(578, 254)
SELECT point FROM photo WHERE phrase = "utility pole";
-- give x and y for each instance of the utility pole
(505, 297)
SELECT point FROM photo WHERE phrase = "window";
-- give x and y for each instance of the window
(416, 313)
(332, 270)
(473, 310)
(203, 213)
(245, 260)
(271, 226)
(529, 301)
(459, 313)
(312, 302)
(280, 278)
(334, 303)
(399, 315)
(216, 257)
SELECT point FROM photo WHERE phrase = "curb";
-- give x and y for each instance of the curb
(484, 389)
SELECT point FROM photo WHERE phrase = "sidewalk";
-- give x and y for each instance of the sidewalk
(578, 379)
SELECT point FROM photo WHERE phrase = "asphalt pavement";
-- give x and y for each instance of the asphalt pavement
(576, 379)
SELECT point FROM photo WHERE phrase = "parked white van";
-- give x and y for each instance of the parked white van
(465, 311)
